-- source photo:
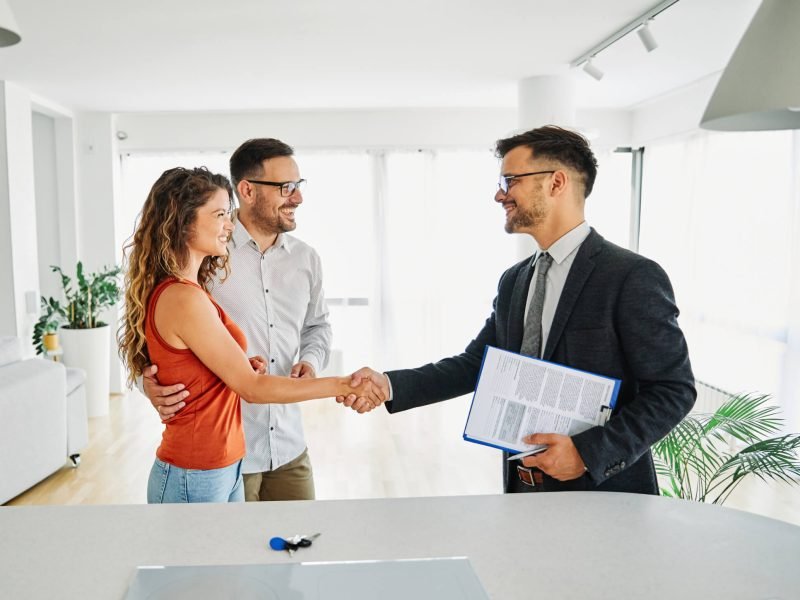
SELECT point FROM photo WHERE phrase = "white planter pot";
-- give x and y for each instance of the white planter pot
(88, 349)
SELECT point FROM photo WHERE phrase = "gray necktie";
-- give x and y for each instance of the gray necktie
(532, 336)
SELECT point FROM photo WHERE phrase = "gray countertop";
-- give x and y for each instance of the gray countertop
(556, 546)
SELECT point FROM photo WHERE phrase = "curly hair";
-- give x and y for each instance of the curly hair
(159, 249)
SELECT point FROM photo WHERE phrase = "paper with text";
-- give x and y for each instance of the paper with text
(518, 395)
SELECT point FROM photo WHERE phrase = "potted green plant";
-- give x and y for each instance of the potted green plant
(85, 338)
(45, 331)
(89, 295)
(708, 455)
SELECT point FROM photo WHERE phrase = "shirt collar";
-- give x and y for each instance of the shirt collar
(566, 244)
(241, 237)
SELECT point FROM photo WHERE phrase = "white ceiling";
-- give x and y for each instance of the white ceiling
(175, 55)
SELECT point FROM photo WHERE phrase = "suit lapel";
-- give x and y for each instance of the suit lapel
(516, 316)
(581, 268)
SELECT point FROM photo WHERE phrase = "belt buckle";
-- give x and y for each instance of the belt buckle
(526, 475)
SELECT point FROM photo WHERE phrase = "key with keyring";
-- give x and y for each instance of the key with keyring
(292, 544)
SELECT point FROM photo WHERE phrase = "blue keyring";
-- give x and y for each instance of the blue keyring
(277, 543)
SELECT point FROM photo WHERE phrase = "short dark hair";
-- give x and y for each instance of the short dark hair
(246, 159)
(556, 143)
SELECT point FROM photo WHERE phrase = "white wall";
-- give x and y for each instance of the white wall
(388, 128)
(60, 149)
(672, 114)
(606, 128)
(19, 276)
(395, 128)
(47, 214)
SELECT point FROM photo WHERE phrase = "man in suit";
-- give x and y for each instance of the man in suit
(599, 308)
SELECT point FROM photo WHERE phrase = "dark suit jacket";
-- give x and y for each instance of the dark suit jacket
(616, 317)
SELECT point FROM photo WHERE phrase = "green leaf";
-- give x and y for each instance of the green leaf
(696, 459)
(85, 298)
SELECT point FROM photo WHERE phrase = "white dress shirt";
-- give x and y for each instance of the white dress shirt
(276, 298)
(563, 252)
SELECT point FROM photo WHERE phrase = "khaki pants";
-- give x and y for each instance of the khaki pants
(292, 481)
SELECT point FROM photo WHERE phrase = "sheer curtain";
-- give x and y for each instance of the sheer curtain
(337, 219)
(444, 250)
(412, 242)
(719, 214)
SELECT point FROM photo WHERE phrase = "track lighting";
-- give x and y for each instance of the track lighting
(639, 25)
(592, 70)
(648, 41)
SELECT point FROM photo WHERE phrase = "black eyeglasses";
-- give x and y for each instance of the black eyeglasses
(504, 179)
(287, 187)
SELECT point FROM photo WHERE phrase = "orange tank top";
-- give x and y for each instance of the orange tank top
(207, 433)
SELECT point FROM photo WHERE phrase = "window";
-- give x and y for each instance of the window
(717, 214)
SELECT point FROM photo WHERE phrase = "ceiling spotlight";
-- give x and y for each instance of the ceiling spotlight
(648, 41)
(592, 70)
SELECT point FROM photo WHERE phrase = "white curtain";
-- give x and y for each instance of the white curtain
(720, 215)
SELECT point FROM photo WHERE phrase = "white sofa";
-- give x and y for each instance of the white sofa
(39, 424)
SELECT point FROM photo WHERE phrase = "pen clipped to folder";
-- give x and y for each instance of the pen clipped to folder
(536, 450)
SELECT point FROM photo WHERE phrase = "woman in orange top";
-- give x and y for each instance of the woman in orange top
(180, 241)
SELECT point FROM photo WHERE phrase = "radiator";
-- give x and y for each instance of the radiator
(709, 398)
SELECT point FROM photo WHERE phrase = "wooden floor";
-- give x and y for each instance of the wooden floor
(417, 453)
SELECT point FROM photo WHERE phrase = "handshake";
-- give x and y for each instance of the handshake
(370, 390)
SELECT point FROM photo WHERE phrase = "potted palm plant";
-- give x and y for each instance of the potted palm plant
(85, 337)
(708, 455)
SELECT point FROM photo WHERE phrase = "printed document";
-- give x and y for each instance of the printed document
(517, 396)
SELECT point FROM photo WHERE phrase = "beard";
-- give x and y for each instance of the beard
(270, 222)
(526, 217)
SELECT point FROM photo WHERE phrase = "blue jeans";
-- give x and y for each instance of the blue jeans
(168, 484)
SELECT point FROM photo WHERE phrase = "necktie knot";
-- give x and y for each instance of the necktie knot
(544, 261)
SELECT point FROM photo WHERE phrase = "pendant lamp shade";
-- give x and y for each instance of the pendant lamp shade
(9, 30)
(760, 87)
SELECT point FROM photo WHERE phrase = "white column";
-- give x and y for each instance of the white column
(98, 185)
(544, 100)
(19, 275)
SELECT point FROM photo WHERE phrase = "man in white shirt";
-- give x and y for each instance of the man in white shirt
(274, 293)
